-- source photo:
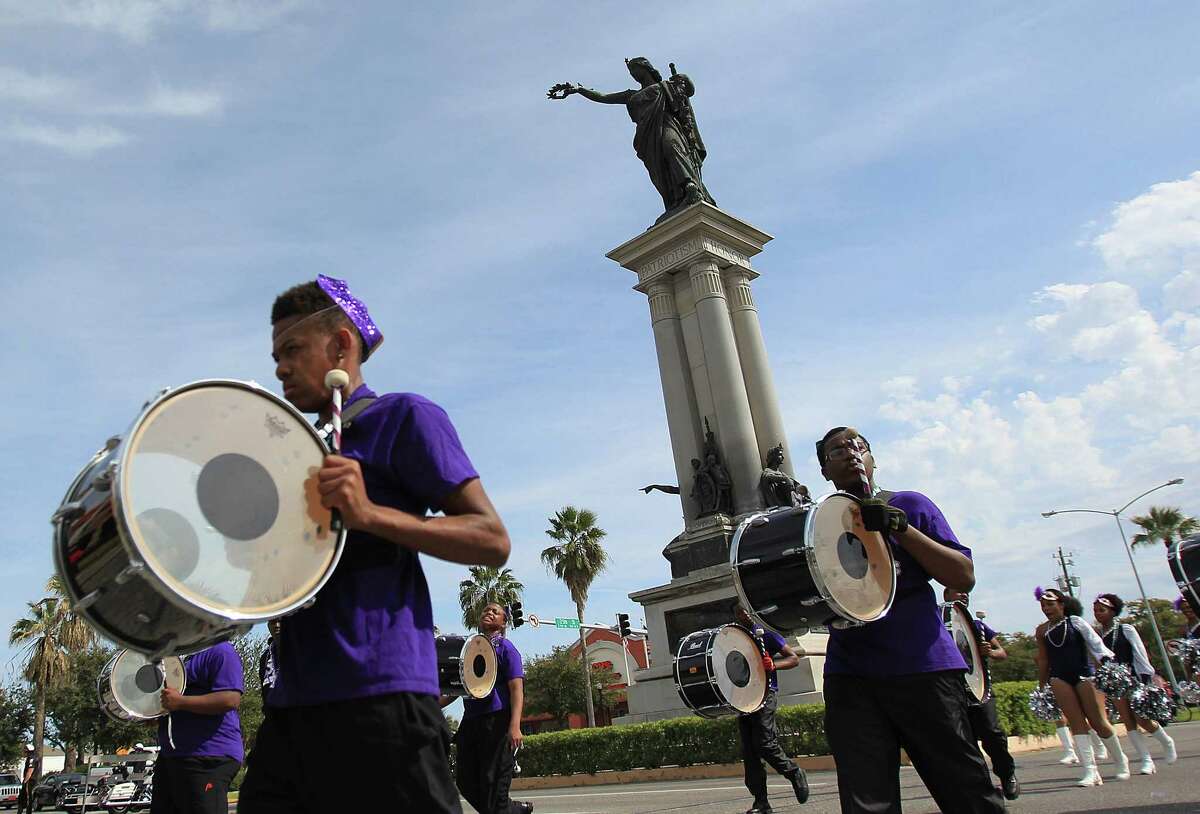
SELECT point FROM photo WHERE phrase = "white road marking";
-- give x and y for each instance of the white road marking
(527, 796)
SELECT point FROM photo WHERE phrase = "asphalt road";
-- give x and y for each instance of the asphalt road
(1047, 788)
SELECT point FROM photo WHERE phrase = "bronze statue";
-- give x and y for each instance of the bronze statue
(667, 139)
(778, 487)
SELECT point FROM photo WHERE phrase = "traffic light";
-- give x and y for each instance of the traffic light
(623, 624)
(515, 615)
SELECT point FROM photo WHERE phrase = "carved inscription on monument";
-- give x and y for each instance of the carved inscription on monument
(679, 255)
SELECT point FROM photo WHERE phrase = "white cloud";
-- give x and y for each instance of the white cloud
(164, 101)
(139, 20)
(1183, 291)
(80, 142)
(20, 86)
(1157, 233)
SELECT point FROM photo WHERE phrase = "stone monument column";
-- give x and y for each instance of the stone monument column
(734, 420)
(760, 385)
(678, 393)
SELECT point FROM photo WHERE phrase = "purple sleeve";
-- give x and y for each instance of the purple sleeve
(926, 517)
(988, 633)
(773, 642)
(223, 668)
(511, 665)
(427, 456)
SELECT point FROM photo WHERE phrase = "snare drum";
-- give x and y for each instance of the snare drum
(720, 671)
(130, 685)
(1184, 559)
(202, 520)
(966, 637)
(803, 567)
(466, 665)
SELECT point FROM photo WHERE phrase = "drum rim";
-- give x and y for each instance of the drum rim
(963, 611)
(1184, 581)
(810, 553)
(207, 610)
(462, 661)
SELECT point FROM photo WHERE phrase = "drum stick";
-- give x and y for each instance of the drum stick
(852, 435)
(336, 379)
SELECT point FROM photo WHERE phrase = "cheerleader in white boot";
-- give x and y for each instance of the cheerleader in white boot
(1129, 650)
(1065, 643)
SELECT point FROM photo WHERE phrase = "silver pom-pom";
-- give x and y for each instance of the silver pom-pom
(1189, 691)
(1188, 651)
(1110, 708)
(1043, 704)
(1115, 679)
(1152, 703)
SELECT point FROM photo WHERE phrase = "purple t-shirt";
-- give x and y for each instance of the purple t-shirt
(217, 669)
(912, 637)
(774, 644)
(508, 667)
(370, 631)
(986, 632)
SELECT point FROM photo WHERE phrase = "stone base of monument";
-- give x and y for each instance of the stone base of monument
(702, 600)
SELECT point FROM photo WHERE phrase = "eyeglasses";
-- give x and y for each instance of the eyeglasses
(856, 449)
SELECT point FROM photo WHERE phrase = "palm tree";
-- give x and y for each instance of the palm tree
(51, 632)
(577, 560)
(487, 584)
(1164, 524)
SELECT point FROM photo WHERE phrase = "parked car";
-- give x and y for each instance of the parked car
(10, 790)
(49, 792)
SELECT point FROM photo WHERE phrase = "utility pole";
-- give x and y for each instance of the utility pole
(1067, 582)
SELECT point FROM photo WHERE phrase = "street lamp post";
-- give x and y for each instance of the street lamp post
(1115, 514)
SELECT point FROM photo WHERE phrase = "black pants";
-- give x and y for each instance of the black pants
(484, 767)
(867, 720)
(985, 727)
(25, 799)
(760, 741)
(192, 785)
(402, 736)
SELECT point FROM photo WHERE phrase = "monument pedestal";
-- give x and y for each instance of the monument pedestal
(722, 415)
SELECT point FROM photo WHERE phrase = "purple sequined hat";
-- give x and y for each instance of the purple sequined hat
(356, 310)
(1178, 603)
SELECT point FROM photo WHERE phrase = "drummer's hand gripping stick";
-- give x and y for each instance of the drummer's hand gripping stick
(335, 380)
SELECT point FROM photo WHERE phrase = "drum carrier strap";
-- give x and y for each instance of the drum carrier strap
(354, 410)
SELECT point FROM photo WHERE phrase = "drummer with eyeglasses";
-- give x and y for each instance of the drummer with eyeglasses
(490, 733)
(899, 681)
(200, 741)
(757, 730)
(359, 667)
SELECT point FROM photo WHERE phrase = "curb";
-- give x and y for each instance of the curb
(819, 763)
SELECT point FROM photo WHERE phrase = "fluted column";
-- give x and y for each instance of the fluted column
(735, 423)
(678, 396)
(760, 385)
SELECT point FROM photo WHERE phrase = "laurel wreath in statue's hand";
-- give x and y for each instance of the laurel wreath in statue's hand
(561, 91)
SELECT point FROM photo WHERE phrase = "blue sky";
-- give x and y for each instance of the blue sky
(985, 220)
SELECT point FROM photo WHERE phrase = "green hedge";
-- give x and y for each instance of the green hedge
(693, 741)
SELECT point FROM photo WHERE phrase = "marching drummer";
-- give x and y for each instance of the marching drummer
(900, 680)
(200, 742)
(360, 665)
(759, 737)
(985, 725)
(490, 733)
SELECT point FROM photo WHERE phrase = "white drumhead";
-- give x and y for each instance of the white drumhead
(738, 665)
(218, 491)
(856, 565)
(136, 682)
(962, 630)
(478, 667)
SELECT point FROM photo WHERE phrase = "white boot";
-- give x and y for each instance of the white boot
(1069, 757)
(1139, 743)
(1087, 758)
(1118, 756)
(1168, 745)
(1097, 746)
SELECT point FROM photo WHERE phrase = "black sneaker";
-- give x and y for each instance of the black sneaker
(761, 808)
(527, 808)
(1011, 787)
(799, 782)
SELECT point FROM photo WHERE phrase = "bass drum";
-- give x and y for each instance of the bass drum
(1184, 559)
(809, 566)
(720, 672)
(130, 685)
(204, 519)
(966, 637)
(467, 665)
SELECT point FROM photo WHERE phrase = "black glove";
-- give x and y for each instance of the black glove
(878, 516)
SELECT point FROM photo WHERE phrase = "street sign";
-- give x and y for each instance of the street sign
(560, 621)
(533, 619)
